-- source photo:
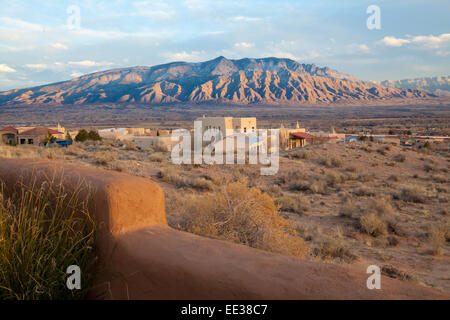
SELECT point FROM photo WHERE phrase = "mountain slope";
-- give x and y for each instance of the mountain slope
(436, 85)
(244, 81)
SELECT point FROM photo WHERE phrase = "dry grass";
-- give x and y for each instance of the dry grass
(297, 204)
(414, 194)
(242, 215)
(335, 248)
(373, 225)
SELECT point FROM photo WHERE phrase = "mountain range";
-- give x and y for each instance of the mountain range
(437, 85)
(221, 80)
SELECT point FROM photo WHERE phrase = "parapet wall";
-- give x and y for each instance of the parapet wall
(140, 257)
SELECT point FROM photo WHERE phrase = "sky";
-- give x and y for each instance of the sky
(54, 40)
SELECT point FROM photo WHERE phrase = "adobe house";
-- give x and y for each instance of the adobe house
(8, 135)
(228, 125)
(37, 135)
(298, 139)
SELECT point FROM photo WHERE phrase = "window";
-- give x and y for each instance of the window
(30, 141)
(245, 129)
(253, 129)
(22, 141)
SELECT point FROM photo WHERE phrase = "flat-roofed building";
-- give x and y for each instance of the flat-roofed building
(228, 125)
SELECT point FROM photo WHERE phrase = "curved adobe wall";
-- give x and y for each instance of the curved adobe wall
(142, 258)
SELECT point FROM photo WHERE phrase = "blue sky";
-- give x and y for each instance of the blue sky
(40, 41)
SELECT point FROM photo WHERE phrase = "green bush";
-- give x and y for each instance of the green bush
(94, 136)
(82, 136)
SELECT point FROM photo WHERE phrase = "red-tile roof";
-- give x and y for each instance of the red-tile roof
(302, 135)
(8, 129)
(39, 131)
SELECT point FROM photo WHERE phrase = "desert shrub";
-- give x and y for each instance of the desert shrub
(393, 177)
(161, 147)
(293, 204)
(364, 177)
(318, 186)
(350, 169)
(214, 176)
(129, 145)
(439, 178)
(383, 150)
(364, 191)
(331, 161)
(381, 205)
(43, 230)
(395, 273)
(428, 167)
(333, 178)
(301, 154)
(414, 194)
(203, 184)
(350, 210)
(437, 240)
(292, 176)
(399, 158)
(274, 190)
(243, 215)
(334, 248)
(172, 175)
(156, 157)
(104, 158)
(438, 235)
(373, 225)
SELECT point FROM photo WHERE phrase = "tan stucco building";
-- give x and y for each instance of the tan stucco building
(229, 125)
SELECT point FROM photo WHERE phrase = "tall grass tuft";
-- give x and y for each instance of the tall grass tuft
(43, 230)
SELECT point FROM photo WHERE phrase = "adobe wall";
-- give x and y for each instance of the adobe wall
(140, 257)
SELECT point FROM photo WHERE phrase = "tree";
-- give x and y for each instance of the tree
(82, 136)
(69, 137)
(49, 138)
(94, 136)
(157, 133)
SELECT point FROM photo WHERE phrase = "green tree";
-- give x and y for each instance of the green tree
(82, 136)
(49, 138)
(94, 136)
(362, 138)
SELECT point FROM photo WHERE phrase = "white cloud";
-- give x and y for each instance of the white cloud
(358, 48)
(90, 63)
(5, 68)
(76, 74)
(432, 41)
(20, 24)
(245, 45)
(246, 19)
(158, 10)
(394, 42)
(38, 66)
(427, 42)
(59, 46)
(193, 56)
